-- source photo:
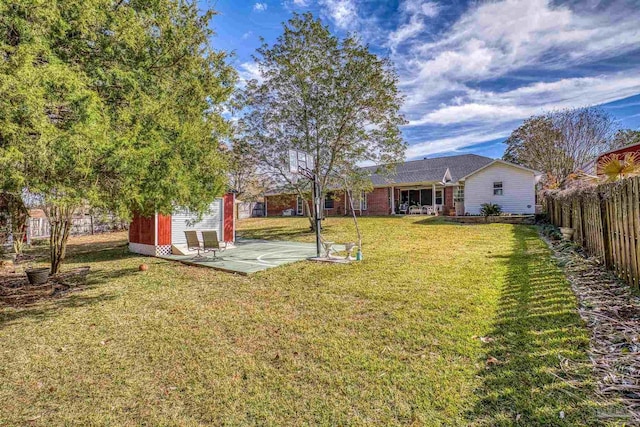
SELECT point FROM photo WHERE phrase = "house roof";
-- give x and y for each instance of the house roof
(451, 168)
(498, 161)
(427, 170)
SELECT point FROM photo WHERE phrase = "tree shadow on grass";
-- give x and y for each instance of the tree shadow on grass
(103, 255)
(536, 370)
(40, 249)
(275, 233)
(44, 310)
(439, 221)
(45, 306)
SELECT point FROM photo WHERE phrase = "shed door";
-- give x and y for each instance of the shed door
(182, 220)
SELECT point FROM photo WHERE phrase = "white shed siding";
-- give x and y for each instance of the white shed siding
(182, 220)
(518, 189)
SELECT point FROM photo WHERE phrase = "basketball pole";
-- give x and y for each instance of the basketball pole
(301, 163)
(316, 208)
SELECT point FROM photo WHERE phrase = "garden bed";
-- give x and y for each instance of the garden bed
(15, 289)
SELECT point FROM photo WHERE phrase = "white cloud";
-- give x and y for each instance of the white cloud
(343, 13)
(301, 3)
(492, 107)
(429, 9)
(414, 27)
(471, 112)
(260, 7)
(496, 38)
(249, 71)
(453, 143)
(415, 11)
(247, 35)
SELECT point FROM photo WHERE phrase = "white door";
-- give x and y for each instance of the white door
(182, 220)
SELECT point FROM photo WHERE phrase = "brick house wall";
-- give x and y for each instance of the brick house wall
(278, 203)
(377, 204)
(448, 200)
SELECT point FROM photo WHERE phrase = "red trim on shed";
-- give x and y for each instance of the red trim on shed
(164, 229)
(142, 230)
(228, 205)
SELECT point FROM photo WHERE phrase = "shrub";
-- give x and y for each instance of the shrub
(490, 209)
(551, 231)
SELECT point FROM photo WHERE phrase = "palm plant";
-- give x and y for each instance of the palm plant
(490, 209)
(615, 167)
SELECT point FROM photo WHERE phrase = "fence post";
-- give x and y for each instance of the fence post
(605, 231)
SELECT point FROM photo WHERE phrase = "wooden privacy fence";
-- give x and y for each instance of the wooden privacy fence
(606, 221)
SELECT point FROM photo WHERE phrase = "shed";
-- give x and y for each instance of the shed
(156, 234)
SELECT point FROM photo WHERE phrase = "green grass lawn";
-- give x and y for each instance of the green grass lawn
(393, 340)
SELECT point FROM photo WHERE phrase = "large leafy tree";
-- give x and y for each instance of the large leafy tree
(244, 178)
(327, 96)
(115, 104)
(625, 137)
(560, 142)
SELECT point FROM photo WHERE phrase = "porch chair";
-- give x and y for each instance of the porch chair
(210, 242)
(414, 210)
(193, 243)
(404, 207)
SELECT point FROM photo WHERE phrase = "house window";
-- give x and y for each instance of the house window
(363, 201)
(328, 201)
(439, 200)
(497, 188)
(299, 205)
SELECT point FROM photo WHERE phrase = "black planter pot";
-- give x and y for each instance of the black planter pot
(37, 276)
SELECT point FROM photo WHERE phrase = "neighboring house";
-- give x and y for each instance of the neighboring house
(620, 153)
(155, 235)
(593, 167)
(431, 184)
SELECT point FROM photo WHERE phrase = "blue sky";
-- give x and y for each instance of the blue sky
(472, 71)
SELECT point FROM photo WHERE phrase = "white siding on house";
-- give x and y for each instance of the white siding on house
(183, 220)
(518, 187)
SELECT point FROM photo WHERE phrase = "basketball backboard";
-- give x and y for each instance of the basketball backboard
(299, 161)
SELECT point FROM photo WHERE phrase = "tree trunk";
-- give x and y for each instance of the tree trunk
(60, 222)
(18, 218)
(310, 211)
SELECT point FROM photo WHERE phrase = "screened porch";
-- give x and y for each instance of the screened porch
(427, 201)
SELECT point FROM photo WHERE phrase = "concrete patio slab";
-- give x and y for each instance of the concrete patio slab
(251, 256)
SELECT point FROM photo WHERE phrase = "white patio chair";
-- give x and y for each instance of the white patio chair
(414, 210)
